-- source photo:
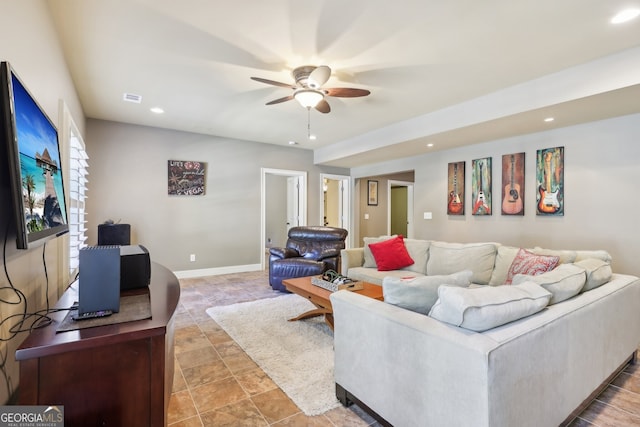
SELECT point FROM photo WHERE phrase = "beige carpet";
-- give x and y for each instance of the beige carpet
(298, 356)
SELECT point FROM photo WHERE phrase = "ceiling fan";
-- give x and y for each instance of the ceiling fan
(308, 90)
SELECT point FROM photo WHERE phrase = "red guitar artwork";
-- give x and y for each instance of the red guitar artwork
(455, 205)
(481, 202)
(512, 203)
(548, 200)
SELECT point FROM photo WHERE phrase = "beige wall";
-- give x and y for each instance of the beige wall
(28, 41)
(601, 178)
(128, 182)
(377, 223)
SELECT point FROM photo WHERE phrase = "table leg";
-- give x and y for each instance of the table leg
(320, 311)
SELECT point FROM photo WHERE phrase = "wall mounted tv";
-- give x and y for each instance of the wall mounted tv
(35, 167)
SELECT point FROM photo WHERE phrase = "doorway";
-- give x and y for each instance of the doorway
(400, 208)
(283, 205)
(335, 201)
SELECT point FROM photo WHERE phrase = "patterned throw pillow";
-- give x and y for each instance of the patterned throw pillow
(530, 264)
(391, 254)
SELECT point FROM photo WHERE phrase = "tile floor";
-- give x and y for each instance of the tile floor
(217, 384)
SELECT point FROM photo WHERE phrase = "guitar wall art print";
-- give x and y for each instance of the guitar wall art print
(481, 186)
(513, 184)
(550, 180)
(455, 202)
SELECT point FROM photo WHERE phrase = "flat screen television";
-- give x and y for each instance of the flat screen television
(35, 167)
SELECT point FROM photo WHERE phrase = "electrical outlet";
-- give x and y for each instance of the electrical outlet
(192, 257)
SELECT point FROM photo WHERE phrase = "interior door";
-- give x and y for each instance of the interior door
(400, 213)
(335, 204)
(293, 202)
(289, 210)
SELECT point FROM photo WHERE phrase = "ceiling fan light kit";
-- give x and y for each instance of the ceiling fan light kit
(308, 98)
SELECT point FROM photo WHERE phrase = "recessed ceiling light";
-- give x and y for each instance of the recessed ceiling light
(625, 15)
(157, 110)
(312, 137)
(293, 143)
(549, 119)
(429, 145)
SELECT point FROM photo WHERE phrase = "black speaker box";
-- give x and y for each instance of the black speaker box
(114, 234)
(135, 267)
(99, 281)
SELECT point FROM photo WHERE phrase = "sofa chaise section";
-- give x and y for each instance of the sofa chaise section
(413, 370)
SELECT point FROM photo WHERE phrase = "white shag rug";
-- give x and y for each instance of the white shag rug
(298, 356)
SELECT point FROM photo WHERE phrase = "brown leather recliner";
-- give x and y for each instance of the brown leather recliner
(309, 251)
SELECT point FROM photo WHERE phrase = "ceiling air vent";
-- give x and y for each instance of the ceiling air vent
(132, 97)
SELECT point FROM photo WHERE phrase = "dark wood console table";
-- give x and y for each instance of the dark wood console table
(113, 375)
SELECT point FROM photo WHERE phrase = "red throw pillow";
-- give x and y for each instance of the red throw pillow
(530, 264)
(391, 254)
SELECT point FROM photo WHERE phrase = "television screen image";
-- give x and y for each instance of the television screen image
(35, 164)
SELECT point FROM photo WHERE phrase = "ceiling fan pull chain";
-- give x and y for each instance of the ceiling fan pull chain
(308, 122)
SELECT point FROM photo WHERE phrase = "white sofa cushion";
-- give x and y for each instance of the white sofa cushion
(598, 272)
(420, 293)
(598, 254)
(419, 252)
(504, 258)
(372, 275)
(565, 256)
(448, 258)
(564, 281)
(483, 308)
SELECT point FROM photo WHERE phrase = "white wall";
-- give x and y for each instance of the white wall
(602, 174)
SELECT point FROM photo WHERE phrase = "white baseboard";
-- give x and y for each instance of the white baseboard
(186, 274)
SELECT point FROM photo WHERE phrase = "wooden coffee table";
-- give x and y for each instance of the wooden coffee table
(320, 297)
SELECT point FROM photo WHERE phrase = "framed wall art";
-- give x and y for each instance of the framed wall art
(186, 178)
(455, 188)
(550, 180)
(372, 193)
(513, 184)
(481, 186)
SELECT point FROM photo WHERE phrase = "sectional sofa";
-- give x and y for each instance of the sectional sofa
(461, 348)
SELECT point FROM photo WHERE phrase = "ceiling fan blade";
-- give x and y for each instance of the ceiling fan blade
(347, 92)
(323, 106)
(319, 76)
(279, 100)
(272, 82)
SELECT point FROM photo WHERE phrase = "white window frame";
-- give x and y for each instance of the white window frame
(78, 165)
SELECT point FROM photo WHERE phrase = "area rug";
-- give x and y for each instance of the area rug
(297, 356)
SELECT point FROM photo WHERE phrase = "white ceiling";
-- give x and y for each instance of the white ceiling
(451, 73)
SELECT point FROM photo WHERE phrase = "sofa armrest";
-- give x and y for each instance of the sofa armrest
(427, 366)
(284, 252)
(329, 253)
(351, 258)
